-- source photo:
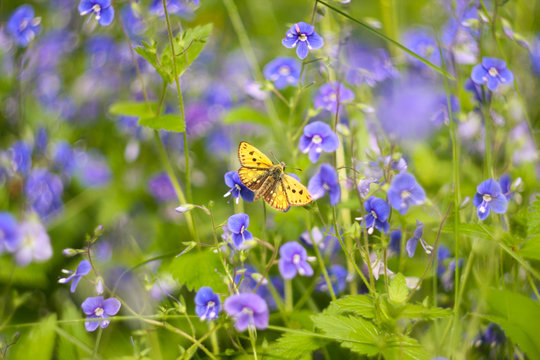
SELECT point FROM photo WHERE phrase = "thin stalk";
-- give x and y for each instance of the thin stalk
(323, 266)
(180, 102)
(288, 296)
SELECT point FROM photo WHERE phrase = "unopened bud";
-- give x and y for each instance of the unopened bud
(70, 252)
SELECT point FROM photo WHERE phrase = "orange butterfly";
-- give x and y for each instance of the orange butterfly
(260, 174)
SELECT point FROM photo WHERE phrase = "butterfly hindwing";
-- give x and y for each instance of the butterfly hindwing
(253, 178)
(251, 157)
(276, 196)
(297, 193)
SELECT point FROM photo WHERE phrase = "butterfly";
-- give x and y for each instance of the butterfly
(260, 174)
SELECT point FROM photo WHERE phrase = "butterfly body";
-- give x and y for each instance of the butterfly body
(269, 180)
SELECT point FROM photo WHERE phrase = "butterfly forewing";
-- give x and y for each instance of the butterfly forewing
(297, 193)
(251, 157)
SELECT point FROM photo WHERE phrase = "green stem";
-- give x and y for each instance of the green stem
(323, 266)
(180, 102)
(253, 340)
(96, 344)
(288, 296)
(488, 162)
(213, 338)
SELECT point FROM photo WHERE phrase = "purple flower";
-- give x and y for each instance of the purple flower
(207, 304)
(98, 308)
(92, 169)
(42, 139)
(377, 215)
(506, 186)
(64, 157)
(395, 241)
(535, 55)
(476, 89)
(237, 225)
(364, 185)
(283, 71)
(21, 157)
(327, 243)
(44, 192)
(423, 44)
(248, 310)
(293, 260)
(338, 278)
(9, 233)
(413, 242)
(404, 191)
(177, 7)
(368, 66)
(237, 188)
(133, 21)
(330, 95)
(304, 38)
(76, 276)
(23, 26)
(492, 72)
(101, 8)
(441, 113)
(318, 137)
(489, 196)
(326, 180)
(34, 244)
(161, 188)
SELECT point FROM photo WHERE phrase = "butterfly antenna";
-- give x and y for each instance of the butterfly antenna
(274, 156)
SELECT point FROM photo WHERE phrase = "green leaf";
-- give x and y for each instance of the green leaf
(169, 122)
(418, 311)
(472, 230)
(187, 46)
(197, 269)
(531, 248)
(518, 316)
(398, 291)
(296, 346)
(533, 218)
(246, 114)
(362, 305)
(404, 348)
(38, 343)
(357, 334)
(74, 342)
(133, 108)
(149, 52)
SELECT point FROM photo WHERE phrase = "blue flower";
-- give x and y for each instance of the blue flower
(489, 196)
(377, 215)
(368, 66)
(441, 113)
(23, 26)
(330, 95)
(304, 38)
(338, 278)
(318, 137)
(283, 72)
(207, 304)
(9, 233)
(404, 191)
(423, 44)
(248, 310)
(395, 241)
(237, 225)
(64, 157)
(293, 260)
(21, 157)
(492, 72)
(177, 7)
(413, 242)
(76, 276)
(161, 188)
(133, 21)
(101, 8)
(92, 169)
(506, 186)
(42, 139)
(328, 244)
(237, 188)
(326, 180)
(98, 308)
(535, 55)
(44, 192)
(35, 244)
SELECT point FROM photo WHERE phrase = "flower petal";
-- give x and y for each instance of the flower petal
(237, 221)
(479, 74)
(290, 41)
(302, 50)
(90, 304)
(91, 325)
(315, 41)
(499, 204)
(111, 306)
(286, 269)
(107, 16)
(411, 246)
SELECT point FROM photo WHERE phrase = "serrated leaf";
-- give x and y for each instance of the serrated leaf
(169, 122)
(533, 218)
(362, 305)
(357, 334)
(404, 348)
(246, 114)
(417, 311)
(397, 290)
(38, 343)
(197, 269)
(518, 316)
(188, 46)
(149, 52)
(133, 108)
(296, 346)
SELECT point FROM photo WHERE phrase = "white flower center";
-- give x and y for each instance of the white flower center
(333, 97)
(284, 70)
(237, 186)
(99, 311)
(493, 71)
(405, 194)
(487, 197)
(23, 25)
(296, 259)
(374, 214)
(248, 311)
(317, 139)
(302, 37)
(97, 9)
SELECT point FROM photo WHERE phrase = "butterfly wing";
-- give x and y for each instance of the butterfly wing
(297, 194)
(253, 178)
(276, 196)
(251, 157)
